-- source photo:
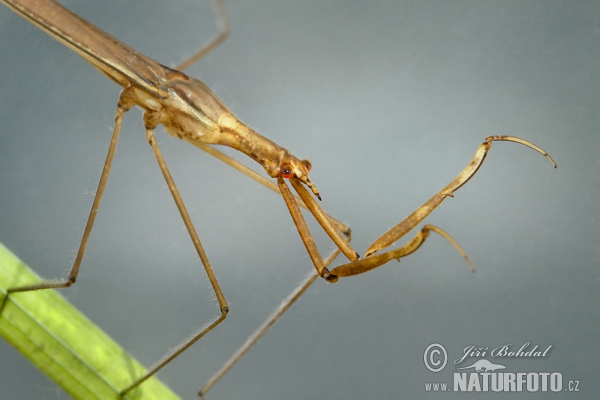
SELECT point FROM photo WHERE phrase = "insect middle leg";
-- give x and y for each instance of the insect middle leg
(72, 277)
(224, 308)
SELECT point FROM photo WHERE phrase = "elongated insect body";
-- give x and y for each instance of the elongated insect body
(186, 107)
(189, 110)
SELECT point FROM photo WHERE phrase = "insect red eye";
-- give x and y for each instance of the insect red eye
(286, 171)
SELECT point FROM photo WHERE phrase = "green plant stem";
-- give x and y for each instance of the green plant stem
(64, 343)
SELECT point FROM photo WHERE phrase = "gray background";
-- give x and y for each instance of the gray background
(389, 100)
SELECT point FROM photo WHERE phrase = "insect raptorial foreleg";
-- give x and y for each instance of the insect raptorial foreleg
(369, 263)
(324, 220)
(422, 212)
(305, 234)
(372, 261)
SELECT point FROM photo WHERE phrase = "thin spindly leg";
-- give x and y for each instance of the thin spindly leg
(223, 34)
(186, 220)
(120, 113)
(404, 251)
(265, 326)
(183, 346)
(209, 271)
(328, 224)
(258, 333)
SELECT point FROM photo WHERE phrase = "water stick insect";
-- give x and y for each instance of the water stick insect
(189, 110)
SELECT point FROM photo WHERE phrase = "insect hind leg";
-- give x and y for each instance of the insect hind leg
(223, 34)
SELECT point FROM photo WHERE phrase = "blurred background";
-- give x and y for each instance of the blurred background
(389, 100)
